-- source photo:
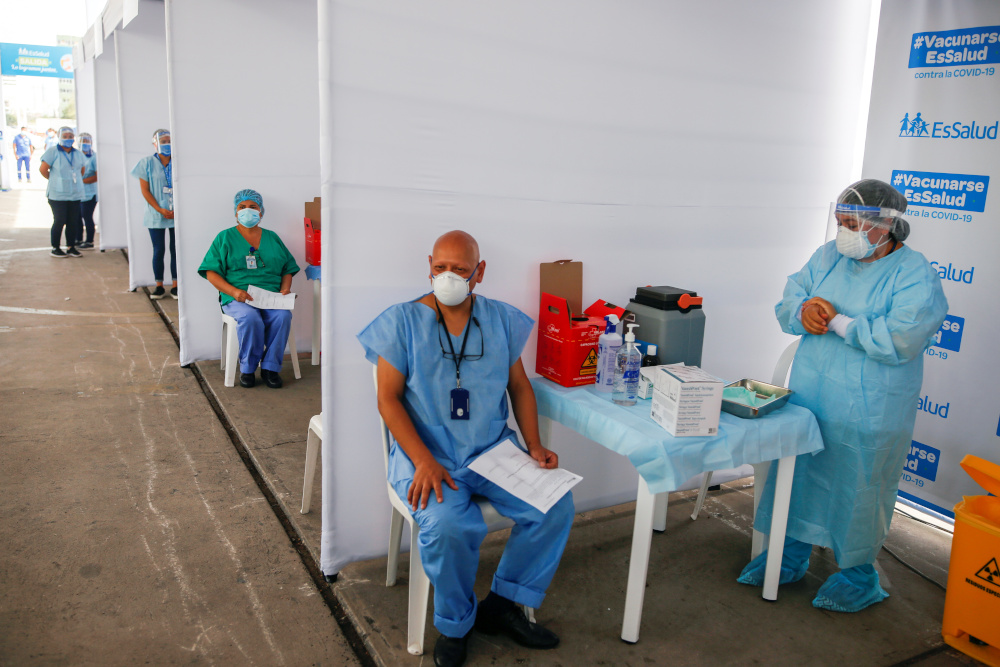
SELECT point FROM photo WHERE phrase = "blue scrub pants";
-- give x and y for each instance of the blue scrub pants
(26, 159)
(158, 237)
(262, 335)
(450, 535)
(87, 214)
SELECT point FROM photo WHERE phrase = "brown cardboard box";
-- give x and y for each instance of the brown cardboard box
(567, 338)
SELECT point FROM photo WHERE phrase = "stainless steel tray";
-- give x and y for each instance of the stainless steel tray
(761, 388)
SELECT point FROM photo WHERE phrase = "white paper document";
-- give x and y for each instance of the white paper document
(266, 300)
(510, 468)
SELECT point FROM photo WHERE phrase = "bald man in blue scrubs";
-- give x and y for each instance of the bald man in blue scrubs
(447, 363)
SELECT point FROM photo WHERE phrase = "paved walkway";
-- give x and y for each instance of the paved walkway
(133, 533)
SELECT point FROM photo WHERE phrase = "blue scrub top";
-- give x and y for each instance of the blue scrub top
(65, 180)
(863, 389)
(409, 337)
(151, 170)
(90, 168)
(22, 146)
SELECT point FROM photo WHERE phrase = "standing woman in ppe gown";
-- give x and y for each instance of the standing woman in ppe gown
(867, 307)
(155, 174)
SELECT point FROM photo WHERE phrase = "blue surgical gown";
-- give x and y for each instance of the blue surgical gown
(408, 336)
(863, 389)
(151, 170)
(65, 174)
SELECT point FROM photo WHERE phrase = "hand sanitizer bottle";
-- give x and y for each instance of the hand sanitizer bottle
(607, 349)
(627, 364)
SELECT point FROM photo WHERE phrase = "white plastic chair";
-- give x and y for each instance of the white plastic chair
(230, 356)
(416, 613)
(314, 441)
(760, 470)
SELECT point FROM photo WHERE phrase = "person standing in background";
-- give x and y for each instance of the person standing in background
(50, 139)
(23, 150)
(89, 202)
(62, 166)
(155, 174)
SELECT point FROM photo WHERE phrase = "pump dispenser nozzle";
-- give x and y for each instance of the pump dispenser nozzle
(630, 336)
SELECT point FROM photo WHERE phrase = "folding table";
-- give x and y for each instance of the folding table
(665, 462)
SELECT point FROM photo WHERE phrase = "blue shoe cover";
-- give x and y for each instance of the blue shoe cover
(794, 563)
(850, 590)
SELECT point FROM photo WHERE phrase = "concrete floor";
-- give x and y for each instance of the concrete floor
(136, 533)
(132, 531)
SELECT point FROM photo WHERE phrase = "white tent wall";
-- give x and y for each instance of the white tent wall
(86, 106)
(679, 143)
(141, 58)
(111, 176)
(86, 102)
(248, 121)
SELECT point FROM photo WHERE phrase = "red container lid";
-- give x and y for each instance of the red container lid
(986, 473)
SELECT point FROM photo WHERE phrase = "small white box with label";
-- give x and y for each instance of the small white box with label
(646, 375)
(687, 401)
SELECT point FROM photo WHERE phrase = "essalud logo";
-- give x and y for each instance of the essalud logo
(918, 126)
(913, 127)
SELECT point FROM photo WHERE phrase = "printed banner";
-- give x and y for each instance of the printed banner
(35, 60)
(933, 133)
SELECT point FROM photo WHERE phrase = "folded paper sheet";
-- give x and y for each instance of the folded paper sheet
(265, 300)
(510, 468)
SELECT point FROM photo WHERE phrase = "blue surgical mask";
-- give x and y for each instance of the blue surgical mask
(248, 217)
(86, 149)
(66, 143)
(165, 150)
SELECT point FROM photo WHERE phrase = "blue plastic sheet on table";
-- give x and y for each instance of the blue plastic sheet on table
(313, 272)
(666, 462)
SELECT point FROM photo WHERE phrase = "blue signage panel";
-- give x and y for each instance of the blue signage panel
(35, 60)
(951, 48)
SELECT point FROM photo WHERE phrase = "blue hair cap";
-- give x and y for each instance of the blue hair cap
(249, 195)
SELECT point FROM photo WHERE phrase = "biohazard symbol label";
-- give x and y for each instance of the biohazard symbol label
(589, 366)
(990, 572)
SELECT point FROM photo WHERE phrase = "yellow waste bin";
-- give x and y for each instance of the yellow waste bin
(972, 604)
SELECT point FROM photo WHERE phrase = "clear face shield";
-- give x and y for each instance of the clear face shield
(66, 137)
(86, 143)
(161, 142)
(861, 230)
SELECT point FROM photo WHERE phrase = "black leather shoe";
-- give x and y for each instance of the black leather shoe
(270, 378)
(247, 380)
(513, 623)
(450, 652)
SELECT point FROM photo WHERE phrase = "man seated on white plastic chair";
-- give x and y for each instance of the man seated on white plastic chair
(446, 363)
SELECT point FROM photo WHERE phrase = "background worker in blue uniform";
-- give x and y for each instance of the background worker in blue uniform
(155, 174)
(867, 308)
(23, 150)
(89, 202)
(62, 166)
(447, 362)
(243, 255)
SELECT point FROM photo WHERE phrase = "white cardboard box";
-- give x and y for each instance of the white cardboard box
(687, 401)
(646, 375)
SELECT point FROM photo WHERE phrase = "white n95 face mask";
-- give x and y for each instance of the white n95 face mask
(450, 288)
(854, 244)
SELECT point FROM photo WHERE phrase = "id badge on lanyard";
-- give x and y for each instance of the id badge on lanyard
(251, 262)
(72, 171)
(460, 403)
